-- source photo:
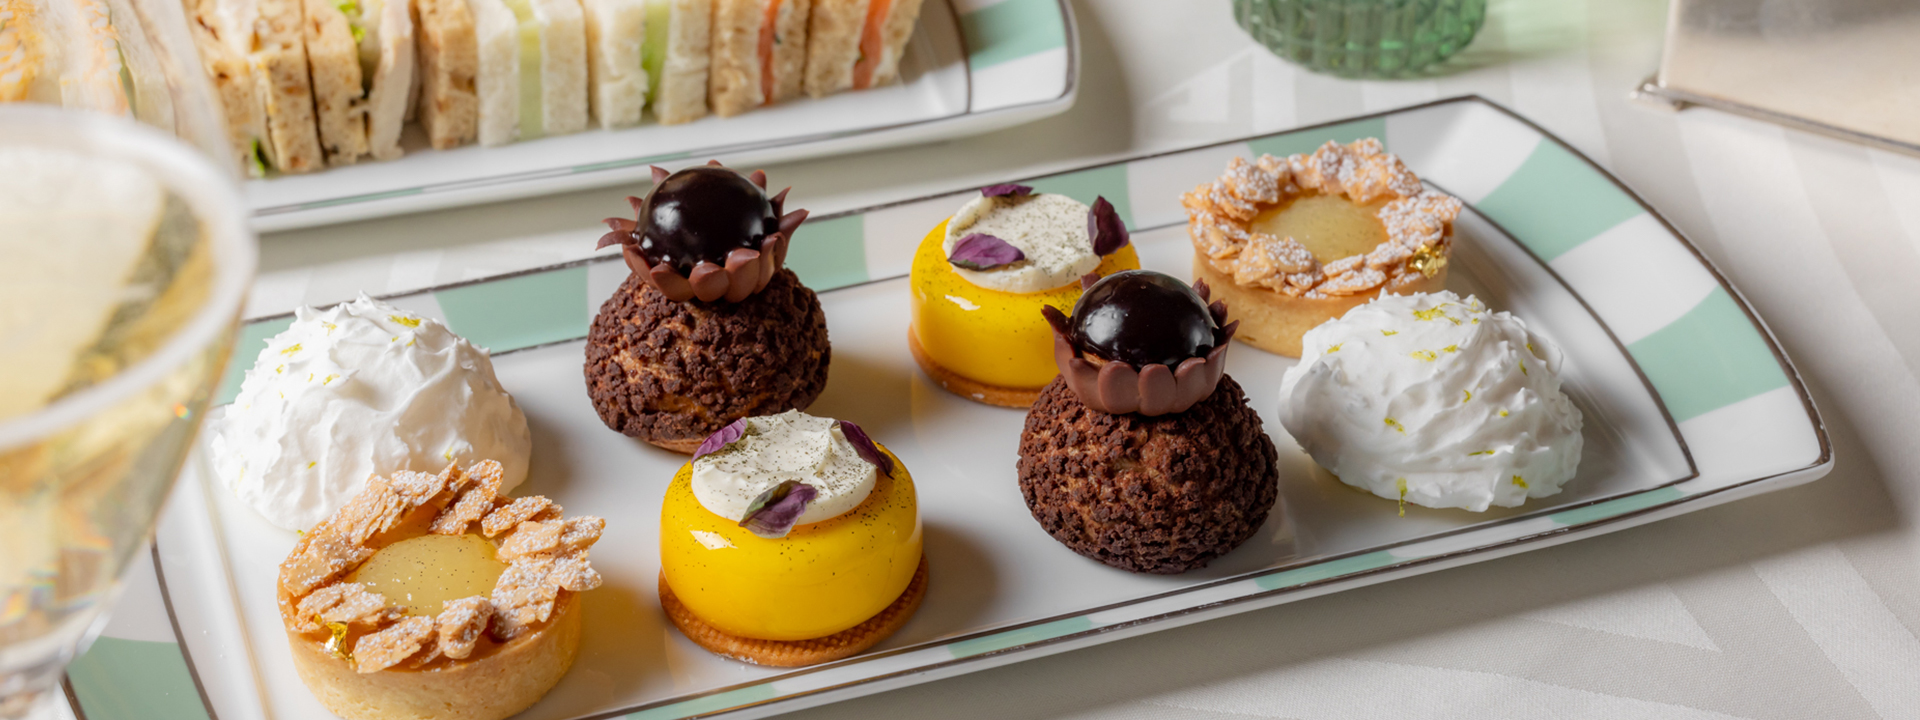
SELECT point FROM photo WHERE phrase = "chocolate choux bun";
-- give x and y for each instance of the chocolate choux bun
(1143, 454)
(710, 326)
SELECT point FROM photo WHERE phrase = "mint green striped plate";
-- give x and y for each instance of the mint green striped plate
(1689, 403)
(972, 66)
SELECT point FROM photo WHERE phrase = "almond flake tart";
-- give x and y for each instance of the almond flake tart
(431, 596)
(1292, 242)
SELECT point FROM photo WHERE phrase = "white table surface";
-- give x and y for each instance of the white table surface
(1804, 603)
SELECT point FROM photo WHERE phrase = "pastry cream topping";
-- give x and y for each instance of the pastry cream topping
(1429, 400)
(420, 574)
(1050, 229)
(776, 448)
(359, 390)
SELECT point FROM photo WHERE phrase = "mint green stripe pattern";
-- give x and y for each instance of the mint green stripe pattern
(519, 312)
(827, 254)
(1306, 141)
(1012, 30)
(1617, 507)
(1711, 357)
(1023, 636)
(1326, 571)
(711, 703)
(1108, 181)
(1555, 201)
(135, 680)
(253, 337)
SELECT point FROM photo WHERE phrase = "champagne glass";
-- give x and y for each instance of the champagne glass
(124, 262)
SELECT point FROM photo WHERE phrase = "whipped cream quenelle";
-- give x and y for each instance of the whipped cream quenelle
(776, 448)
(359, 390)
(1434, 400)
(1051, 230)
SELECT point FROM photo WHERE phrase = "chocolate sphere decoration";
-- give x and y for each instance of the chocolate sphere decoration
(703, 213)
(1141, 317)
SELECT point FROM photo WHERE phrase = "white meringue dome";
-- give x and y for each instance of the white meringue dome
(358, 390)
(1435, 400)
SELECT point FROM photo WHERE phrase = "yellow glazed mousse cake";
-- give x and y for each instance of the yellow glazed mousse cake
(1293, 242)
(431, 597)
(980, 278)
(790, 540)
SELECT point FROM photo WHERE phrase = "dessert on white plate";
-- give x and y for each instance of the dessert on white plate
(1434, 400)
(358, 390)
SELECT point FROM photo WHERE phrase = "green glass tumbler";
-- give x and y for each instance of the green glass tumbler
(1362, 38)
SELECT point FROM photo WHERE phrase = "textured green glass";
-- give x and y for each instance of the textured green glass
(1362, 38)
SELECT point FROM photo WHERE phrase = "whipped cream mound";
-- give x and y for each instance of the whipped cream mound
(1050, 229)
(1434, 400)
(359, 390)
(776, 448)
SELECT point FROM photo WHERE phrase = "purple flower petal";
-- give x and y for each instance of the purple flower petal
(773, 514)
(1006, 189)
(721, 438)
(984, 252)
(865, 447)
(1105, 228)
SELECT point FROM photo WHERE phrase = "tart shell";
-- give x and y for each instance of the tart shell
(1274, 321)
(506, 681)
(1163, 494)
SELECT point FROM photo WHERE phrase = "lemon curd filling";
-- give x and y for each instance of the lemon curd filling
(1331, 227)
(423, 573)
(820, 579)
(996, 338)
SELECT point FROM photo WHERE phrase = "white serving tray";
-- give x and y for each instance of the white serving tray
(1689, 403)
(972, 66)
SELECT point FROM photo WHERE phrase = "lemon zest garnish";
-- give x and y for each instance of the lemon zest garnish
(448, 454)
(1503, 413)
(309, 377)
(1451, 348)
(291, 349)
(1517, 480)
(1530, 350)
(330, 327)
(330, 378)
(311, 464)
(1482, 452)
(1427, 355)
(1476, 321)
(409, 342)
(395, 338)
(1433, 313)
(1402, 484)
(1389, 333)
(1395, 424)
(280, 369)
(404, 320)
(1335, 348)
(1523, 367)
(1469, 396)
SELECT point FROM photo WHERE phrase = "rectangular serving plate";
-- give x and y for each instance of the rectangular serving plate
(973, 66)
(1688, 400)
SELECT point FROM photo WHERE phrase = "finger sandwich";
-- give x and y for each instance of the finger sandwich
(533, 68)
(449, 63)
(759, 53)
(675, 55)
(615, 31)
(857, 44)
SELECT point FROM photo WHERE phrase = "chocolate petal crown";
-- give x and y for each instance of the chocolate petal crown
(1117, 388)
(746, 272)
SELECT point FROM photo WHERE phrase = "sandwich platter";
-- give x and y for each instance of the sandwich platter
(971, 66)
(1689, 403)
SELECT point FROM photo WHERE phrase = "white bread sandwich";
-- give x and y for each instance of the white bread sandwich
(615, 30)
(533, 68)
(233, 87)
(333, 57)
(759, 53)
(857, 43)
(29, 60)
(675, 55)
(62, 52)
(449, 64)
(268, 36)
(383, 30)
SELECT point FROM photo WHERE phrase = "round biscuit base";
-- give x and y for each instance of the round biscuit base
(1274, 321)
(968, 388)
(798, 653)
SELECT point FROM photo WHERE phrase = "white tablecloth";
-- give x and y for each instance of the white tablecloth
(1800, 604)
